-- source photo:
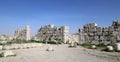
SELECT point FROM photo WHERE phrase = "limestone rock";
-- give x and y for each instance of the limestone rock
(110, 48)
(8, 53)
(72, 44)
(93, 46)
(7, 47)
(118, 46)
(3, 42)
(50, 49)
(1, 47)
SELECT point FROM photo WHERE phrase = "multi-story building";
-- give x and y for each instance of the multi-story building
(23, 34)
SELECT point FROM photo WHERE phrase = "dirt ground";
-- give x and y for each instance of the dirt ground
(62, 53)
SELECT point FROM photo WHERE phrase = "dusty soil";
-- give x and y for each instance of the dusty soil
(62, 53)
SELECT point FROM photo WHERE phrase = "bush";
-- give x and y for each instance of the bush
(101, 45)
(117, 50)
(1, 55)
(60, 42)
(18, 41)
(86, 45)
(54, 42)
(72, 46)
(51, 42)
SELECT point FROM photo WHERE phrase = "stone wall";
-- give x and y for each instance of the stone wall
(5, 38)
(74, 38)
(91, 33)
(22, 34)
(51, 33)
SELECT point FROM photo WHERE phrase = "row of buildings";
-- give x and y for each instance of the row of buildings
(90, 33)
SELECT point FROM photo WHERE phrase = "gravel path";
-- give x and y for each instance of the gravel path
(61, 54)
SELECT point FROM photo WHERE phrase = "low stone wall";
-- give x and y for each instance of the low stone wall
(22, 46)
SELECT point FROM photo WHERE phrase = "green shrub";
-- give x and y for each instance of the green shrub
(18, 41)
(1, 55)
(86, 45)
(72, 46)
(117, 50)
(101, 46)
(52, 42)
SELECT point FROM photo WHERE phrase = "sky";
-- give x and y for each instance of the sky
(73, 13)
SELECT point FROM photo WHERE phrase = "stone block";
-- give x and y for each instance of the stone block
(93, 47)
(72, 44)
(7, 47)
(50, 49)
(1, 47)
(110, 48)
(8, 53)
(118, 46)
(39, 45)
(24, 46)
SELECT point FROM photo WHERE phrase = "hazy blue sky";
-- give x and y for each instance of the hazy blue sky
(74, 13)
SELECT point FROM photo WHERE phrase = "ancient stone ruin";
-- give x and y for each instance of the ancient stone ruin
(92, 33)
(53, 33)
(23, 34)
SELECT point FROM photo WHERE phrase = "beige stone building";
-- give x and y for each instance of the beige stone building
(23, 34)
